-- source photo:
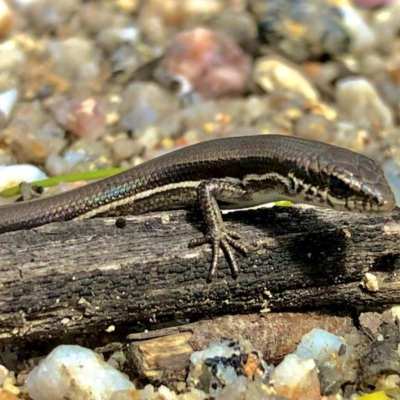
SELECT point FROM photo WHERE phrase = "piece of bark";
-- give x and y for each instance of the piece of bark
(165, 358)
(81, 276)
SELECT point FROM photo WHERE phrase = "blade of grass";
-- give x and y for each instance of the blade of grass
(78, 176)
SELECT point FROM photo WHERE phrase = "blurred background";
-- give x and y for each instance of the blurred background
(86, 85)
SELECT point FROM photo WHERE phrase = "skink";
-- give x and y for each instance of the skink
(230, 173)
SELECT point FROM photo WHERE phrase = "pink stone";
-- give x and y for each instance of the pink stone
(83, 118)
(208, 62)
(371, 3)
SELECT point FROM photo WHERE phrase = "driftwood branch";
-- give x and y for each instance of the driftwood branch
(82, 276)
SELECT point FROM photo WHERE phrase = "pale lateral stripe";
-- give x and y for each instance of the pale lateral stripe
(262, 197)
(138, 196)
(279, 177)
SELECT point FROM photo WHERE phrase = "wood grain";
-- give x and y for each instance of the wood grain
(81, 276)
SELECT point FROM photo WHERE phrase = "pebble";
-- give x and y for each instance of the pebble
(274, 74)
(311, 31)
(123, 148)
(6, 395)
(84, 118)
(220, 365)
(207, 62)
(372, 3)
(7, 19)
(322, 346)
(64, 55)
(144, 104)
(74, 372)
(3, 370)
(126, 60)
(315, 126)
(297, 378)
(12, 175)
(362, 36)
(11, 55)
(392, 173)
(297, 374)
(8, 100)
(236, 24)
(47, 16)
(359, 103)
(95, 18)
(87, 155)
(113, 37)
(243, 388)
(370, 282)
(37, 146)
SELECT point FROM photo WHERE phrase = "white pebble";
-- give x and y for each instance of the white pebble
(321, 346)
(11, 56)
(74, 372)
(363, 37)
(275, 74)
(293, 370)
(359, 103)
(13, 175)
(8, 100)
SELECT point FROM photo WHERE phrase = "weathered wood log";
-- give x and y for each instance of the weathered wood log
(162, 356)
(81, 276)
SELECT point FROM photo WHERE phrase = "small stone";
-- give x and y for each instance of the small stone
(359, 103)
(3, 370)
(314, 30)
(363, 39)
(238, 25)
(207, 62)
(274, 74)
(392, 315)
(84, 118)
(110, 38)
(129, 394)
(13, 175)
(381, 357)
(243, 388)
(330, 380)
(128, 6)
(88, 155)
(9, 386)
(322, 346)
(56, 165)
(392, 173)
(297, 378)
(222, 363)
(75, 59)
(370, 282)
(33, 144)
(372, 3)
(122, 149)
(7, 19)
(125, 61)
(8, 100)
(370, 322)
(73, 372)
(11, 56)
(144, 104)
(314, 126)
(6, 395)
(95, 17)
(48, 15)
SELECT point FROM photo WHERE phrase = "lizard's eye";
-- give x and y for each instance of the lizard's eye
(337, 187)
